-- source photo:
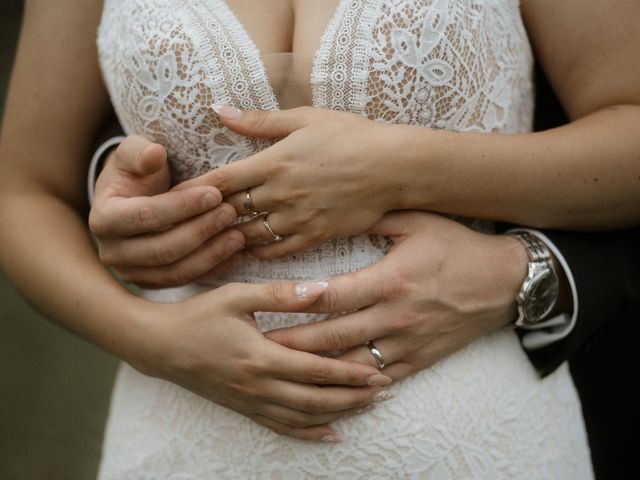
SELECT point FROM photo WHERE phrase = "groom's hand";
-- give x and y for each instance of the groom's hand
(154, 236)
(440, 287)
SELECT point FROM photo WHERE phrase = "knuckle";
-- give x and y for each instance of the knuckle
(96, 221)
(181, 275)
(248, 390)
(162, 255)
(219, 179)
(336, 339)
(255, 368)
(302, 420)
(259, 119)
(404, 321)
(394, 287)
(331, 299)
(320, 373)
(277, 293)
(317, 405)
(148, 218)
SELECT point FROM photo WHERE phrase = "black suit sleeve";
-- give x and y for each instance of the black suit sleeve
(606, 270)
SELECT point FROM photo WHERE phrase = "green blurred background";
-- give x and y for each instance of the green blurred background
(54, 387)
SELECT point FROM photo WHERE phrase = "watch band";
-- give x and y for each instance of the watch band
(533, 307)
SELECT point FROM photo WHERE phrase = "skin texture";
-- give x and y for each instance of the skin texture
(152, 236)
(417, 308)
(41, 203)
(41, 200)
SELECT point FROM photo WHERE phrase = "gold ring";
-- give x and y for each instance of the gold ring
(249, 208)
(276, 237)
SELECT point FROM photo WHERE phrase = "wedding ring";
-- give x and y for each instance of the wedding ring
(377, 354)
(249, 208)
(276, 237)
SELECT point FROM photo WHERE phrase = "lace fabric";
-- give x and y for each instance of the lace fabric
(461, 65)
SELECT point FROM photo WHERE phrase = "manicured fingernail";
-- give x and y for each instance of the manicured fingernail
(209, 200)
(227, 111)
(233, 246)
(378, 379)
(310, 289)
(331, 439)
(223, 220)
(382, 396)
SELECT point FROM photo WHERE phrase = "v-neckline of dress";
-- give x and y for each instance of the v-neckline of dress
(259, 71)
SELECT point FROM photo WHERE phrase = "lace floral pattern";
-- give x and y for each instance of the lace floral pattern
(461, 65)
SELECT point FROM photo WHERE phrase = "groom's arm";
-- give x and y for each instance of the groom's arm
(606, 271)
(604, 268)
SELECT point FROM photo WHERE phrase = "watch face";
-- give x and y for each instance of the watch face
(541, 296)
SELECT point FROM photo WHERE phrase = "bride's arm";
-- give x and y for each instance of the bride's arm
(584, 175)
(208, 344)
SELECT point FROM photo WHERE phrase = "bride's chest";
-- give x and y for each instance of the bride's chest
(456, 64)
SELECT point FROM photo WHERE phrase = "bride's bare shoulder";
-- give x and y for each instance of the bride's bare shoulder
(589, 49)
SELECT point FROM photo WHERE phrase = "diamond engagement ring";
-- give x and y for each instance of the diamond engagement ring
(377, 354)
(276, 237)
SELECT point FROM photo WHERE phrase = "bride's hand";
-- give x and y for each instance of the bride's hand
(210, 345)
(440, 287)
(333, 175)
(153, 236)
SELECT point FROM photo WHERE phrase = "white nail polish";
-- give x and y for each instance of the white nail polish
(382, 396)
(308, 289)
(227, 111)
(331, 439)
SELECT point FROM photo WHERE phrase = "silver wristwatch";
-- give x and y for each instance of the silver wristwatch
(539, 291)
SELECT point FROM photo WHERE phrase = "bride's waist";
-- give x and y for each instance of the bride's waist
(335, 257)
(332, 258)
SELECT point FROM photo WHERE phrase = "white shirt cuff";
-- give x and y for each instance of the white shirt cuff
(92, 176)
(558, 327)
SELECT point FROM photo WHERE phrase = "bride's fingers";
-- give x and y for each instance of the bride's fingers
(308, 368)
(400, 370)
(256, 201)
(394, 355)
(316, 400)
(298, 419)
(336, 334)
(257, 233)
(393, 349)
(320, 433)
(289, 245)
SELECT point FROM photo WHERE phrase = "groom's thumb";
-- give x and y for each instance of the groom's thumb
(138, 156)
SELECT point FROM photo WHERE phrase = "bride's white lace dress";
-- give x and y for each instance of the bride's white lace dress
(461, 65)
